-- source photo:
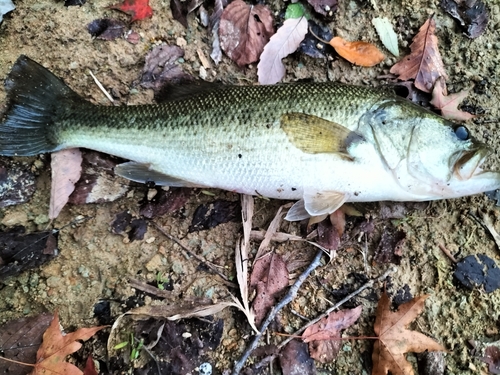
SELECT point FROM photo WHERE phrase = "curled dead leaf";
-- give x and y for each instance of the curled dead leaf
(244, 30)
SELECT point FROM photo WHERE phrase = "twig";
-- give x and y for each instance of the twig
(337, 305)
(491, 228)
(101, 87)
(210, 265)
(447, 253)
(272, 314)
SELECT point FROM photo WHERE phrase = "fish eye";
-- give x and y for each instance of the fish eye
(462, 132)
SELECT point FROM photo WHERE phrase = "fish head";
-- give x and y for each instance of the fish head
(429, 155)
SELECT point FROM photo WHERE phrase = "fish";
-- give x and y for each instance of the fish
(319, 143)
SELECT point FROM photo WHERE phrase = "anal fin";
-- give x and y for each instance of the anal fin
(143, 173)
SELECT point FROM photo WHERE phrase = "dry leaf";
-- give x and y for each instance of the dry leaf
(138, 9)
(66, 169)
(244, 30)
(324, 7)
(357, 53)
(295, 360)
(394, 339)
(286, 40)
(216, 53)
(448, 104)
(324, 336)
(269, 277)
(50, 358)
(424, 63)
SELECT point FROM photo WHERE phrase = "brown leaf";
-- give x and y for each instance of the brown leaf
(424, 63)
(50, 358)
(295, 360)
(66, 169)
(357, 53)
(390, 247)
(269, 277)
(90, 367)
(324, 336)
(472, 15)
(448, 104)
(106, 28)
(394, 339)
(286, 41)
(324, 7)
(244, 30)
(19, 340)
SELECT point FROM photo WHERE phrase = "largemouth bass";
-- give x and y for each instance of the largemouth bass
(322, 144)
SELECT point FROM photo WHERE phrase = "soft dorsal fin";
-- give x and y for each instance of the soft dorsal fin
(143, 173)
(315, 135)
(187, 89)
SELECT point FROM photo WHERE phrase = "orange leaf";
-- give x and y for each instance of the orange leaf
(358, 53)
(424, 63)
(394, 339)
(50, 358)
(138, 9)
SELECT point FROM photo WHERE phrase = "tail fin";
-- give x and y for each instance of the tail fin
(35, 99)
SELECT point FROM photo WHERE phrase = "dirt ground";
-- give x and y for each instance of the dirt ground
(95, 264)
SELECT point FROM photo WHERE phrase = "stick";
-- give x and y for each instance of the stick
(99, 84)
(272, 314)
(337, 305)
(210, 265)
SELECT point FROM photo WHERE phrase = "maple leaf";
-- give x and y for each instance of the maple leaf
(424, 63)
(394, 339)
(138, 9)
(448, 104)
(244, 30)
(357, 53)
(324, 336)
(50, 358)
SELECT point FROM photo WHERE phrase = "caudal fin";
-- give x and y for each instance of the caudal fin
(35, 100)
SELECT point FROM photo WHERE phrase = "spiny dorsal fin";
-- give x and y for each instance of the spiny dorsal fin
(187, 89)
(315, 135)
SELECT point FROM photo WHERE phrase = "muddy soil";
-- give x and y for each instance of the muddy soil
(96, 265)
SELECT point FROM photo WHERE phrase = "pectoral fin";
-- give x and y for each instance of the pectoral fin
(143, 173)
(316, 204)
(315, 135)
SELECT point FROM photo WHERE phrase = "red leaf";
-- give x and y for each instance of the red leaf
(51, 356)
(90, 367)
(269, 278)
(244, 30)
(324, 336)
(424, 63)
(138, 9)
(448, 104)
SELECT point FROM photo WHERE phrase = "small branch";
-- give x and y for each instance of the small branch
(491, 228)
(14, 361)
(110, 98)
(272, 314)
(338, 304)
(447, 253)
(210, 265)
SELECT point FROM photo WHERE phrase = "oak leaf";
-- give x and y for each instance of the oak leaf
(138, 9)
(448, 104)
(424, 63)
(357, 53)
(50, 358)
(244, 30)
(394, 339)
(324, 336)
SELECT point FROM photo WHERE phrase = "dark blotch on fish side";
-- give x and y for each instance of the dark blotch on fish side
(20, 252)
(478, 270)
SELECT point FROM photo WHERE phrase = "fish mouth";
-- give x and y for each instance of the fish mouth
(468, 163)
